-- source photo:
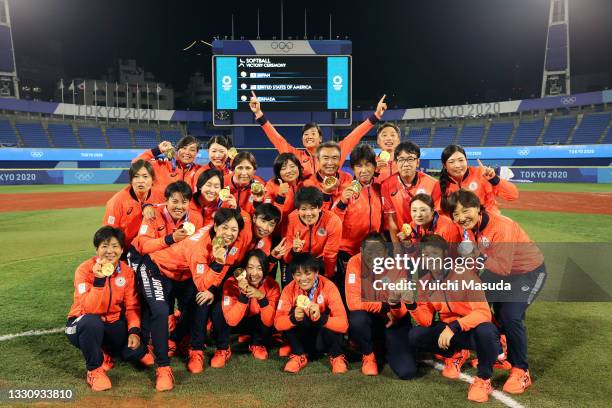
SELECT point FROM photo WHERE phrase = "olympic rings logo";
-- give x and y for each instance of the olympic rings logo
(523, 152)
(37, 155)
(84, 176)
(568, 100)
(282, 46)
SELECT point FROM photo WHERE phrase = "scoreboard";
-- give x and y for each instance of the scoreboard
(282, 83)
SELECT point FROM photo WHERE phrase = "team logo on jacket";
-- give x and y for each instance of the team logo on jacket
(200, 269)
(260, 244)
(473, 186)
(321, 232)
(233, 251)
(82, 288)
(485, 242)
(143, 229)
(421, 191)
(320, 299)
(120, 281)
(110, 220)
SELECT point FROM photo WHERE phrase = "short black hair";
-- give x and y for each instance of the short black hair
(223, 215)
(328, 145)
(186, 141)
(207, 175)
(138, 165)
(309, 126)
(466, 198)
(408, 147)
(283, 158)
(269, 212)
(106, 233)
(305, 261)
(261, 257)
(220, 140)
(361, 153)
(178, 187)
(385, 125)
(242, 156)
(309, 195)
(424, 198)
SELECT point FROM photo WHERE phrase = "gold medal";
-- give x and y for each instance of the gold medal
(108, 269)
(406, 229)
(330, 181)
(384, 156)
(239, 274)
(356, 186)
(170, 153)
(218, 242)
(257, 188)
(189, 228)
(231, 153)
(302, 301)
(224, 193)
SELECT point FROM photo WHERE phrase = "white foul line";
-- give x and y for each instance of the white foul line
(6, 337)
(498, 395)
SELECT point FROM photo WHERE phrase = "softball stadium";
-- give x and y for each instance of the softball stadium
(61, 163)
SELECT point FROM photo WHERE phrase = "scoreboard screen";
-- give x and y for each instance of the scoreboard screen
(315, 84)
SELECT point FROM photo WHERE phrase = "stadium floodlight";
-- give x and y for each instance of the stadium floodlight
(556, 76)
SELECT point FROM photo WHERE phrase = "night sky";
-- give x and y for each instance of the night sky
(434, 52)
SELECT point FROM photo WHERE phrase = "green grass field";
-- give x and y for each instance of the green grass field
(570, 343)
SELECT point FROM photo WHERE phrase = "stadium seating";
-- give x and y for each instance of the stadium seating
(444, 136)
(33, 135)
(590, 128)
(119, 138)
(7, 134)
(559, 130)
(499, 133)
(607, 139)
(528, 132)
(173, 136)
(63, 135)
(196, 129)
(92, 137)
(471, 135)
(145, 139)
(420, 136)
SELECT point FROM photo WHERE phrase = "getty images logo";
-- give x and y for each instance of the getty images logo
(226, 83)
(337, 83)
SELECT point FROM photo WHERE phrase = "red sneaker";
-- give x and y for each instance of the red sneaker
(164, 379)
(296, 363)
(518, 381)
(98, 380)
(368, 364)
(284, 350)
(480, 390)
(220, 358)
(195, 364)
(338, 364)
(452, 365)
(259, 352)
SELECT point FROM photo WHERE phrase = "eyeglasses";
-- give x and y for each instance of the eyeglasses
(406, 160)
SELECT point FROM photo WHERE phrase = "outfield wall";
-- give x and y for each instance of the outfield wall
(543, 164)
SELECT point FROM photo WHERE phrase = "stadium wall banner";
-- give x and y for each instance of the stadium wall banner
(555, 175)
(434, 112)
(97, 155)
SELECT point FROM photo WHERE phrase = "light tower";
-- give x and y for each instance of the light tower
(8, 69)
(556, 77)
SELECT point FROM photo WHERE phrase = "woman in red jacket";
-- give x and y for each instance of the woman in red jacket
(464, 320)
(105, 314)
(205, 200)
(426, 220)
(482, 180)
(510, 257)
(248, 305)
(242, 180)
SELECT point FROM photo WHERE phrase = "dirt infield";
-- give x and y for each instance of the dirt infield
(53, 201)
(581, 203)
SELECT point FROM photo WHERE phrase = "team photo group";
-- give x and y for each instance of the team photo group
(190, 256)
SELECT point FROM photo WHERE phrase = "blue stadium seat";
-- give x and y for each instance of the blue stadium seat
(444, 136)
(33, 135)
(559, 130)
(145, 139)
(7, 134)
(63, 135)
(420, 136)
(173, 136)
(119, 138)
(607, 139)
(499, 133)
(92, 137)
(590, 128)
(528, 132)
(196, 129)
(471, 135)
